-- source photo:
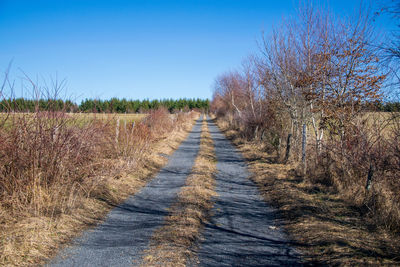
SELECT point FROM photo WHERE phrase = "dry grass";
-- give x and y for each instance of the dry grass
(104, 116)
(40, 210)
(129, 117)
(327, 229)
(173, 243)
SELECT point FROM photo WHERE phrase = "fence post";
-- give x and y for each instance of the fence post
(370, 175)
(117, 131)
(55, 133)
(303, 149)
(279, 147)
(133, 127)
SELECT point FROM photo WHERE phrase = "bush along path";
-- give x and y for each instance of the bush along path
(121, 239)
(242, 230)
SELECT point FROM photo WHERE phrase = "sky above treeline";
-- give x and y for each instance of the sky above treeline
(137, 49)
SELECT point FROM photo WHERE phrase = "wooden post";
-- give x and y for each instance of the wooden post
(133, 127)
(55, 133)
(303, 149)
(370, 175)
(279, 147)
(117, 131)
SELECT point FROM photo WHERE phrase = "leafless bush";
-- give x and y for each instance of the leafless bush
(44, 157)
(364, 167)
(51, 162)
(318, 72)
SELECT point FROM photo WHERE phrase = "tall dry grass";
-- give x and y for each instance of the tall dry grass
(57, 172)
(325, 228)
(364, 167)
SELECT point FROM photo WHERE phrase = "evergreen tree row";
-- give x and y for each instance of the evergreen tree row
(388, 107)
(116, 105)
(113, 105)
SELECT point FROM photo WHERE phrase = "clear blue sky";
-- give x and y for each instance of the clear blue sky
(135, 49)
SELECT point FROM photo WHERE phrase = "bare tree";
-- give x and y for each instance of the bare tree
(228, 88)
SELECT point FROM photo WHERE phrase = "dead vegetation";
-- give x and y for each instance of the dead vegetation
(309, 98)
(327, 227)
(59, 174)
(173, 244)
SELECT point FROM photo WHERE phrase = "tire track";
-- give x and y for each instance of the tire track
(242, 231)
(173, 244)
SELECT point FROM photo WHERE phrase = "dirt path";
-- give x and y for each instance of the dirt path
(125, 233)
(242, 231)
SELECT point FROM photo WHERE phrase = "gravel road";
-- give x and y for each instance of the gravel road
(242, 231)
(125, 233)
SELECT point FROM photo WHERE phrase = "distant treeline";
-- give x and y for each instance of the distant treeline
(113, 105)
(116, 105)
(388, 107)
(134, 106)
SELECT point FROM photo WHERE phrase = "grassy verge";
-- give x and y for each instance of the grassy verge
(54, 213)
(327, 229)
(82, 119)
(173, 243)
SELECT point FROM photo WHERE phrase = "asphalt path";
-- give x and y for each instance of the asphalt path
(243, 230)
(125, 233)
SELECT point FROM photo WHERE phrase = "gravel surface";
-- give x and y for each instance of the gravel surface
(243, 230)
(126, 231)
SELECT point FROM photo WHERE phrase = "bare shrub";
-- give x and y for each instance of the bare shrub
(42, 153)
(53, 163)
(323, 73)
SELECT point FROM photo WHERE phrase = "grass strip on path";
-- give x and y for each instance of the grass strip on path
(327, 229)
(173, 244)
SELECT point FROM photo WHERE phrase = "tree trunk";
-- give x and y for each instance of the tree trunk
(288, 147)
(303, 149)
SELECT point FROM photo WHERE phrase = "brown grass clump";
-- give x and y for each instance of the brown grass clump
(173, 243)
(364, 167)
(59, 173)
(325, 226)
